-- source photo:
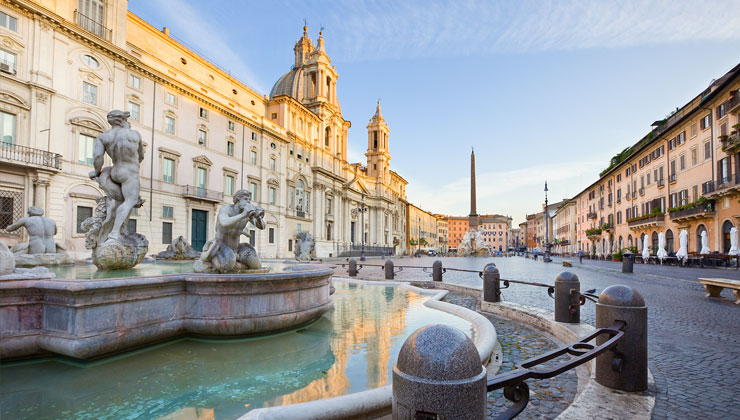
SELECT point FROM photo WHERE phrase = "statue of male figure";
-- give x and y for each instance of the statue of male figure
(41, 231)
(120, 182)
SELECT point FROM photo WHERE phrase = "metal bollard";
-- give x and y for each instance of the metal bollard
(352, 267)
(437, 271)
(491, 283)
(388, 267)
(439, 376)
(628, 260)
(624, 367)
(567, 303)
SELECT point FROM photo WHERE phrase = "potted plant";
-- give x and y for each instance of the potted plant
(617, 256)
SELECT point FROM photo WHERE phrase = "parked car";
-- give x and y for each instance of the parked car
(431, 253)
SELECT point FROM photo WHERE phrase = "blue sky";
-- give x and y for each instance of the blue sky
(543, 90)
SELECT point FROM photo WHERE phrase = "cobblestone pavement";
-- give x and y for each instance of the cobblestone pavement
(548, 397)
(694, 341)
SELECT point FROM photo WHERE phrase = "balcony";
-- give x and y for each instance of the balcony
(707, 188)
(661, 182)
(646, 221)
(591, 215)
(731, 143)
(198, 193)
(697, 211)
(94, 27)
(733, 102)
(27, 156)
(607, 227)
(725, 185)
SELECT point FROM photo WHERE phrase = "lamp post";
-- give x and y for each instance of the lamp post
(362, 224)
(419, 239)
(546, 257)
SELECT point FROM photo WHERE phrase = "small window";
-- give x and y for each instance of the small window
(134, 81)
(273, 146)
(253, 157)
(290, 245)
(230, 148)
(8, 22)
(83, 213)
(89, 93)
(707, 150)
(202, 137)
(183, 61)
(8, 61)
(166, 232)
(169, 125)
(85, 149)
(170, 98)
(253, 190)
(168, 170)
(271, 235)
(229, 188)
(7, 128)
(254, 136)
(203, 113)
(90, 61)
(168, 212)
(272, 195)
(135, 110)
(131, 226)
(272, 164)
(274, 116)
(231, 125)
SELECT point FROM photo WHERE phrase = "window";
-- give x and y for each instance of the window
(170, 98)
(705, 121)
(694, 156)
(328, 206)
(327, 133)
(166, 232)
(254, 136)
(290, 244)
(135, 110)
(681, 139)
(168, 212)
(9, 22)
(168, 170)
(7, 127)
(90, 61)
(272, 163)
(230, 148)
(83, 213)
(89, 93)
(9, 59)
(271, 235)
(707, 150)
(723, 170)
(253, 190)
(203, 113)
(85, 147)
(134, 81)
(229, 189)
(202, 137)
(693, 130)
(299, 197)
(682, 162)
(202, 178)
(131, 226)
(253, 157)
(231, 125)
(169, 125)
(721, 110)
(273, 116)
(271, 196)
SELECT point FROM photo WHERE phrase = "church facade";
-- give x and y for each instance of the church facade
(65, 65)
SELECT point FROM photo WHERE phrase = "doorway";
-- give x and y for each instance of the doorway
(199, 229)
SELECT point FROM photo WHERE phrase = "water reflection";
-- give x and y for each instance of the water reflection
(350, 349)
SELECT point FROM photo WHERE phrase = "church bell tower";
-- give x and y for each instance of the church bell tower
(378, 156)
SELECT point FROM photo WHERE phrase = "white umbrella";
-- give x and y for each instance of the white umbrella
(683, 245)
(645, 248)
(733, 242)
(704, 243)
(609, 252)
(661, 246)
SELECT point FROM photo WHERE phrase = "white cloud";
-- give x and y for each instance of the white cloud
(434, 28)
(199, 31)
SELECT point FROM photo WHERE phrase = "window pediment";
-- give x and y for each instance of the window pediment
(202, 160)
(274, 182)
(168, 153)
(13, 100)
(11, 44)
(230, 171)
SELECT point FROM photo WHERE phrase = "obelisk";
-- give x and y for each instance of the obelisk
(473, 217)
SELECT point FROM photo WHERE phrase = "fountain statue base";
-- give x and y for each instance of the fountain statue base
(120, 254)
(33, 260)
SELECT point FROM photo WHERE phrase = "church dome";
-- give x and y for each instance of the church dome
(284, 85)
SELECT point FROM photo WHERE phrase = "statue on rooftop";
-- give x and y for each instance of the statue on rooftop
(225, 254)
(40, 248)
(112, 247)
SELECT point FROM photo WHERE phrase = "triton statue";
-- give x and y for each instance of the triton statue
(41, 248)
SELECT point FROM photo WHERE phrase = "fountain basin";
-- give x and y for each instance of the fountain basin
(86, 319)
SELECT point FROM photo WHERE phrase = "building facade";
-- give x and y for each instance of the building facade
(422, 231)
(65, 65)
(496, 231)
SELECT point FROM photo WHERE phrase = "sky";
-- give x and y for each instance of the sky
(542, 90)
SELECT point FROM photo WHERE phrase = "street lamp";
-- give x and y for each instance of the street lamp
(419, 239)
(547, 238)
(362, 224)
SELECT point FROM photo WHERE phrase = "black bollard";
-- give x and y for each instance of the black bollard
(437, 271)
(388, 267)
(352, 270)
(567, 299)
(491, 283)
(628, 261)
(625, 366)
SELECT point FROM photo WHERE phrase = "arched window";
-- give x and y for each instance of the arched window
(327, 136)
(654, 238)
(621, 244)
(299, 197)
(641, 244)
(629, 241)
(726, 226)
(669, 242)
(699, 230)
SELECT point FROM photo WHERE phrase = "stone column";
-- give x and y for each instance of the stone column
(39, 199)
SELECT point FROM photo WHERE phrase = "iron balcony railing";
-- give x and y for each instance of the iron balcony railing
(697, 210)
(707, 187)
(202, 193)
(93, 26)
(591, 215)
(28, 155)
(727, 182)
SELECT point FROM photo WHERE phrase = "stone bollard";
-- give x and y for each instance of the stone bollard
(439, 376)
(388, 267)
(437, 271)
(491, 283)
(625, 367)
(567, 304)
(628, 261)
(352, 270)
